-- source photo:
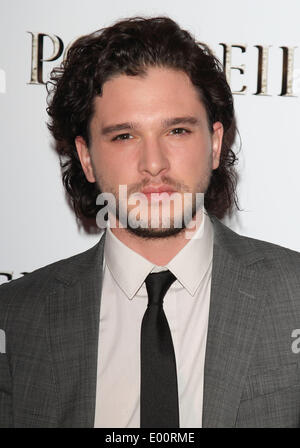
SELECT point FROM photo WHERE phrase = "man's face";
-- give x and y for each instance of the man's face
(151, 134)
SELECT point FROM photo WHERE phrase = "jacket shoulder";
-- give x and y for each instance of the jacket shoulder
(29, 290)
(272, 250)
(243, 246)
(281, 264)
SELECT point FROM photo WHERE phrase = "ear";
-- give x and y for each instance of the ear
(217, 139)
(85, 158)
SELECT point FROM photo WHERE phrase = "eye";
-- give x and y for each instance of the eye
(121, 137)
(180, 131)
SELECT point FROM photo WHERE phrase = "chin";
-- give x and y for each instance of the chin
(154, 233)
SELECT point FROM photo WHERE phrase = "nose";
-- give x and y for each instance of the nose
(153, 159)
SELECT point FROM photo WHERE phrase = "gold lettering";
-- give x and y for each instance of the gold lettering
(37, 54)
(262, 72)
(227, 62)
(287, 71)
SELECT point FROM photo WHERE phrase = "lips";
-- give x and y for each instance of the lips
(161, 189)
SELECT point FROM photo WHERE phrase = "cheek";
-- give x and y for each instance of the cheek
(193, 159)
(114, 167)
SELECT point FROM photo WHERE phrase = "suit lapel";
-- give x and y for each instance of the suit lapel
(74, 310)
(236, 310)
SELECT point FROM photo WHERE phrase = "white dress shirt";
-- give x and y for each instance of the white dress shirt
(123, 304)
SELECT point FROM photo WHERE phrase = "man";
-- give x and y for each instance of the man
(141, 105)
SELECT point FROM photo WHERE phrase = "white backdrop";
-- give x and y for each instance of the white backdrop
(37, 225)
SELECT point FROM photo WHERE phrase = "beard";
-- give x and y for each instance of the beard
(177, 222)
(164, 220)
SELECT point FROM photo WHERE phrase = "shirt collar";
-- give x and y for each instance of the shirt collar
(130, 269)
(193, 260)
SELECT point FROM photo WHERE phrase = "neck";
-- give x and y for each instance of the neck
(159, 251)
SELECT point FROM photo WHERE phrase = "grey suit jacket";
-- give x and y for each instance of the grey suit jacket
(252, 373)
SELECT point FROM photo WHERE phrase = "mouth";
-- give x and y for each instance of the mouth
(148, 191)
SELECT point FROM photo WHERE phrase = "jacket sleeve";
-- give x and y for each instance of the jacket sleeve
(6, 409)
(6, 420)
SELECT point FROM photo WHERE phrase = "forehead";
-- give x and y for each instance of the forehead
(161, 92)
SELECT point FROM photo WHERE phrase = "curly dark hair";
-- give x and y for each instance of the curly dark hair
(129, 47)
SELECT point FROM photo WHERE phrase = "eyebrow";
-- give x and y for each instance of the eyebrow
(165, 123)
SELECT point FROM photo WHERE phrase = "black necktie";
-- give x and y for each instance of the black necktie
(159, 391)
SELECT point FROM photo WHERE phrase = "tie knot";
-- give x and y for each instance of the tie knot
(157, 285)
